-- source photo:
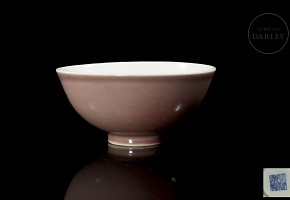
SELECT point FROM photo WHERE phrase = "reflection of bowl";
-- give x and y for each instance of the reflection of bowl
(135, 101)
(111, 179)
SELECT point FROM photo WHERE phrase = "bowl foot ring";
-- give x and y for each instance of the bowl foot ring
(134, 139)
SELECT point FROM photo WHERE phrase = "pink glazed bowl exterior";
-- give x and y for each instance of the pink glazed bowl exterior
(134, 109)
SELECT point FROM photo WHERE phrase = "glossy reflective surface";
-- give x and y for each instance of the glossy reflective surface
(120, 179)
(123, 174)
(137, 173)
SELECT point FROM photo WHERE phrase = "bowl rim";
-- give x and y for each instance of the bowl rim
(61, 70)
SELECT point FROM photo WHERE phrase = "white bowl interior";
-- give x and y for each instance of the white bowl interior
(137, 69)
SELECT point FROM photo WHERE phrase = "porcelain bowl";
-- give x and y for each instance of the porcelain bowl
(135, 101)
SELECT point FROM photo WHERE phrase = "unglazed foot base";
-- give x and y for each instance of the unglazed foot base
(134, 139)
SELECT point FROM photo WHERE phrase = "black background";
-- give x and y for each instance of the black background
(241, 126)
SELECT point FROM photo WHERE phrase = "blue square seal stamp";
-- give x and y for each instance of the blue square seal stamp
(278, 182)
